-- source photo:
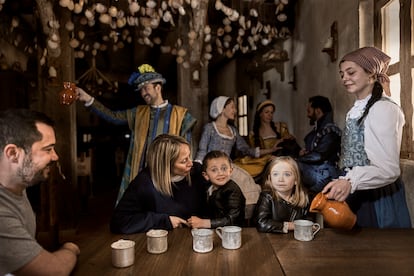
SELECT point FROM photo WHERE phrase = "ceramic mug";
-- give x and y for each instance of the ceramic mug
(157, 241)
(202, 240)
(68, 94)
(230, 236)
(305, 230)
(123, 253)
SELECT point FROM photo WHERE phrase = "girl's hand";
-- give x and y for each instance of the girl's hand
(178, 222)
(196, 222)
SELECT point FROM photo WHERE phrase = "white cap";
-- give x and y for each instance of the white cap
(217, 106)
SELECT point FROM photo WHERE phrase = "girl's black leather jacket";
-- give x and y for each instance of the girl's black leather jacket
(270, 214)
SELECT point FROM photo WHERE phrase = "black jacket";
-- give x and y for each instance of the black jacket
(271, 214)
(323, 143)
(227, 205)
(142, 207)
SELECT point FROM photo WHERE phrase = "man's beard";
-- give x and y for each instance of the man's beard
(312, 121)
(29, 176)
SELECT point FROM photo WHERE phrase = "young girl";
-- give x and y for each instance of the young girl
(371, 144)
(226, 200)
(283, 198)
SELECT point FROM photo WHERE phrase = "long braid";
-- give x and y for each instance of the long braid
(376, 96)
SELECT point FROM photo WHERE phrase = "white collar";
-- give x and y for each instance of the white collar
(164, 104)
(358, 109)
(177, 178)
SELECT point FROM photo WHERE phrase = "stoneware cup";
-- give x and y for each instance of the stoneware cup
(202, 240)
(230, 236)
(68, 94)
(305, 230)
(123, 253)
(157, 241)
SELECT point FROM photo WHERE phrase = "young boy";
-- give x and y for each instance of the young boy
(225, 199)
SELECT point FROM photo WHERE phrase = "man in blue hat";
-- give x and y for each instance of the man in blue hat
(157, 117)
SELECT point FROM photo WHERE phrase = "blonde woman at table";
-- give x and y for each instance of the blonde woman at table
(165, 194)
(225, 199)
(283, 198)
(371, 144)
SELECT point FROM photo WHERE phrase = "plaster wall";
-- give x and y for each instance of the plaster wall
(316, 74)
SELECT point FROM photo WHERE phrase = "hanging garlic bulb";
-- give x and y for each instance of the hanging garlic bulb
(89, 14)
(78, 8)
(281, 17)
(105, 18)
(218, 5)
(133, 7)
(52, 72)
(71, 6)
(195, 4)
(74, 43)
(179, 59)
(64, 3)
(113, 11)
(157, 40)
(253, 12)
(81, 35)
(151, 4)
(69, 26)
(121, 22)
(100, 8)
(181, 10)
(181, 52)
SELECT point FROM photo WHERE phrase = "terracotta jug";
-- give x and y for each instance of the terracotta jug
(336, 214)
(68, 94)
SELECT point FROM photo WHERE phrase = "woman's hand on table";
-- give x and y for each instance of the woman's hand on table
(178, 222)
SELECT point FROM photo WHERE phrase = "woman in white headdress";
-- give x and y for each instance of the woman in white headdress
(220, 135)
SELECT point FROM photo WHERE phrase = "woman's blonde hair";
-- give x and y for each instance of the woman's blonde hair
(162, 154)
(299, 195)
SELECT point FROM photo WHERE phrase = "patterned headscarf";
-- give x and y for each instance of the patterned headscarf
(373, 61)
(144, 75)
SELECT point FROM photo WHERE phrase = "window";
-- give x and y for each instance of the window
(394, 33)
(242, 115)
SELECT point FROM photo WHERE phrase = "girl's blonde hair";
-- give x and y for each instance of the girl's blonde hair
(299, 195)
(162, 154)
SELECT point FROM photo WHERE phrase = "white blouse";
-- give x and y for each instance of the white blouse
(383, 133)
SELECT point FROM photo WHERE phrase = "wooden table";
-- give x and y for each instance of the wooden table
(255, 257)
(332, 252)
(360, 252)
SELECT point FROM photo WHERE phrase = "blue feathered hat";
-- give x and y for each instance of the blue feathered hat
(144, 75)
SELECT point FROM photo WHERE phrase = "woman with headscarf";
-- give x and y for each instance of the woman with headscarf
(370, 158)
